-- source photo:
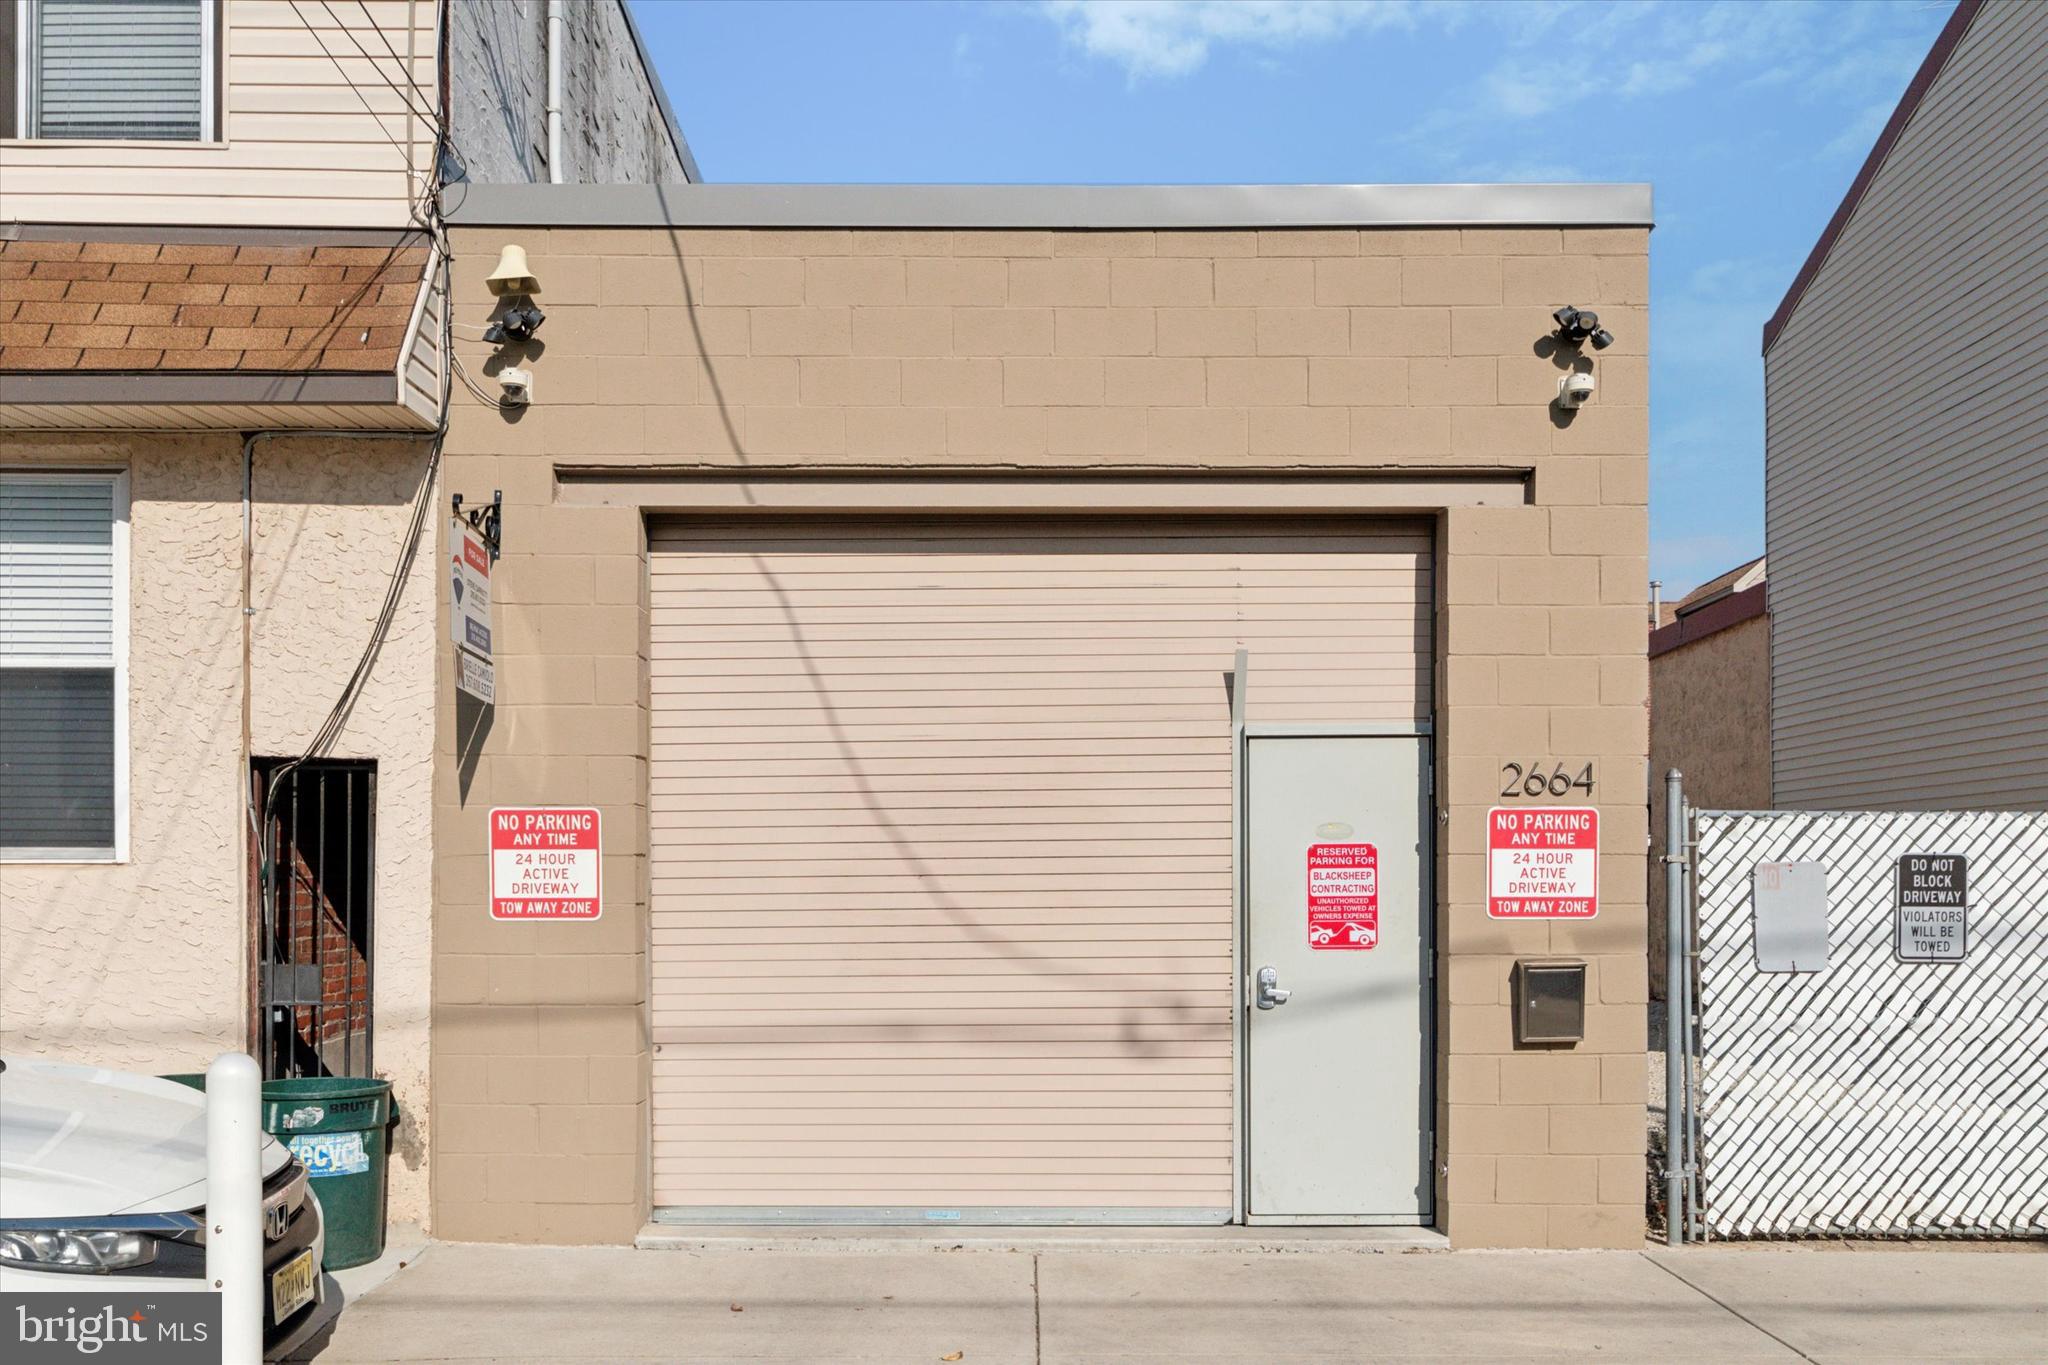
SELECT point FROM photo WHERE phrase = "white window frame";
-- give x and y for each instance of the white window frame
(118, 479)
(210, 59)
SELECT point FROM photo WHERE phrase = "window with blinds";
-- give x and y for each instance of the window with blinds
(61, 571)
(130, 69)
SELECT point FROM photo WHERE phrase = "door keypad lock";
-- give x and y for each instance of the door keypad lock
(1269, 992)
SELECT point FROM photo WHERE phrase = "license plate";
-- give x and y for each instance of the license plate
(291, 1286)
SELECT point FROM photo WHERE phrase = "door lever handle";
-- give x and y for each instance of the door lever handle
(1269, 992)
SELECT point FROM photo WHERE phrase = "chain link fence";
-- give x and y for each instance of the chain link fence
(1874, 1097)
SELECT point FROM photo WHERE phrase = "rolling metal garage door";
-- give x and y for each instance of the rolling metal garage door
(941, 848)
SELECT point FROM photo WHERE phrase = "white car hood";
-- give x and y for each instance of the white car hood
(81, 1142)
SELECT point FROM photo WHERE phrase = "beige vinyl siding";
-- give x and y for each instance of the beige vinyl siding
(940, 843)
(1907, 478)
(315, 131)
(419, 363)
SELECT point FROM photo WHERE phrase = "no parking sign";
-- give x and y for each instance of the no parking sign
(546, 863)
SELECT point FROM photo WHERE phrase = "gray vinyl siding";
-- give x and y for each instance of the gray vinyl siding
(1906, 482)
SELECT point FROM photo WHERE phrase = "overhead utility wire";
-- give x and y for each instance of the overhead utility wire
(424, 210)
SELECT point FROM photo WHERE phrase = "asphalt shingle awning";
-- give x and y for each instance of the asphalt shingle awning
(113, 323)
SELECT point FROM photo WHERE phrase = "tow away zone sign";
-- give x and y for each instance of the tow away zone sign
(546, 863)
(1542, 862)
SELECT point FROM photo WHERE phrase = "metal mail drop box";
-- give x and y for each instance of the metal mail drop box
(1550, 1000)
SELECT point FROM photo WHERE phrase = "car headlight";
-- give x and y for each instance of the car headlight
(78, 1251)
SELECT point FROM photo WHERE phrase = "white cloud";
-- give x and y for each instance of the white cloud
(1163, 38)
(1573, 53)
(1518, 90)
(966, 66)
(1859, 135)
(1531, 170)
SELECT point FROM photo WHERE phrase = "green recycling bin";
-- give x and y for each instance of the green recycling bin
(336, 1126)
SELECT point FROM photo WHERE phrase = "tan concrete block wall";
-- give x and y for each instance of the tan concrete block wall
(1200, 351)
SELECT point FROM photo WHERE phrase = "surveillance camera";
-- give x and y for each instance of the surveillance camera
(1574, 389)
(518, 387)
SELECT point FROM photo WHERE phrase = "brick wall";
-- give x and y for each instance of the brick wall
(928, 350)
(316, 934)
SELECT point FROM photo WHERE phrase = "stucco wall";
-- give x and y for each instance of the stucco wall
(1183, 354)
(142, 965)
(614, 132)
(1710, 717)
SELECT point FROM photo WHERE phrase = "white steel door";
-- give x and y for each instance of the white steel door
(1337, 1090)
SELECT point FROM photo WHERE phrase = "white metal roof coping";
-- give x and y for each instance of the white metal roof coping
(1080, 207)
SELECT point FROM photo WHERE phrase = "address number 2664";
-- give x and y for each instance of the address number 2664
(1532, 780)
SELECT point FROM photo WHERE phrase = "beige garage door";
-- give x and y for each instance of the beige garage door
(941, 821)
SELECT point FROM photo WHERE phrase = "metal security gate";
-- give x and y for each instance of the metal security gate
(316, 874)
(1873, 1097)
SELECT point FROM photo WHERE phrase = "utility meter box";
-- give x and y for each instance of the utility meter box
(1550, 1000)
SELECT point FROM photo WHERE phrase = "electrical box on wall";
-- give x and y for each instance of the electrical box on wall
(1550, 1000)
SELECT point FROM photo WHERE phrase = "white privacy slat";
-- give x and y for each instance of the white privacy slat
(1874, 1097)
(940, 821)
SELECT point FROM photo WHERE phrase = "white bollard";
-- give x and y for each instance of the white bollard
(234, 1203)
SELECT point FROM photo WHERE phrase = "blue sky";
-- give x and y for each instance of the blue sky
(1750, 119)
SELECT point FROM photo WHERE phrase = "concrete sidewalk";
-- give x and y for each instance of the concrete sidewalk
(1026, 1306)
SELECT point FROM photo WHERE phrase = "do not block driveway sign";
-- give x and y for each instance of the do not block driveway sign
(546, 863)
(1932, 922)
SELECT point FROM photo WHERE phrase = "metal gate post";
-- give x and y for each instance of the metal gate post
(1695, 1199)
(1674, 1007)
(1694, 1050)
